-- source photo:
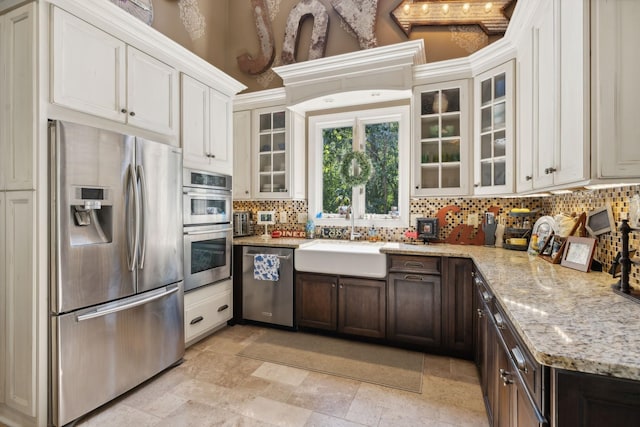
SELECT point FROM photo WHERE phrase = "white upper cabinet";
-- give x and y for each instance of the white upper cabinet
(616, 87)
(441, 149)
(493, 136)
(242, 155)
(553, 96)
(152, 93)
(206, 127)
(17, 98)
(96, 73)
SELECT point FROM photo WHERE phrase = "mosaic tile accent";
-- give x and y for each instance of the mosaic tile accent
(607, 247)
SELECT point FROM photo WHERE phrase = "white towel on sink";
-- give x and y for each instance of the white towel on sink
(266, 267)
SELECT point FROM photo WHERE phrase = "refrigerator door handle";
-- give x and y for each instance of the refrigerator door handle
(110, 308)
(131, 183)
(143, 212)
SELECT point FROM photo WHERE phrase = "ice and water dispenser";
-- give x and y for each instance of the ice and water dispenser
(91, 215)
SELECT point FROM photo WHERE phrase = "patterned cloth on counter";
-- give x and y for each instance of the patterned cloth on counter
(266, 267)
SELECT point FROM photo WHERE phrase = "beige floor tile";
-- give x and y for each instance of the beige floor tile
(326, 394)
(280, 373)
(214, 387)
(321, 420)
(273, 412)
(194, 414)
(119, 415)
(452, 393)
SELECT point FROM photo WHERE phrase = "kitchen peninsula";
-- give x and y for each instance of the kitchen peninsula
(570, 321)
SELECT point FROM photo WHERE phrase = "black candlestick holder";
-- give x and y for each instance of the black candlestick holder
(622, 287)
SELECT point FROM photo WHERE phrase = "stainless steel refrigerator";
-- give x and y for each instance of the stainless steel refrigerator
(116, 292)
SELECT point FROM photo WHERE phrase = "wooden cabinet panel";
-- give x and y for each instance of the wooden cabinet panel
(88, 68)
(96, 73)
(206, 309)
(457, 301)
(594, 400)
(20, 292)
(615, 87)
(18, 98)
(362, 307)
(152, 93)
(195, 122)
(414, 309)
(316, 301)
(414, 263)
(242, 155)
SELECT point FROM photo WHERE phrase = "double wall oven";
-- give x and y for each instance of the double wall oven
(207, 228)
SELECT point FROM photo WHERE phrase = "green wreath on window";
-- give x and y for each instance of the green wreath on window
(363, 163)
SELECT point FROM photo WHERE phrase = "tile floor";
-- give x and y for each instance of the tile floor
(214, 387)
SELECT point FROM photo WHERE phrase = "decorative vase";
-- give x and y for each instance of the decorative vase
(440, 103)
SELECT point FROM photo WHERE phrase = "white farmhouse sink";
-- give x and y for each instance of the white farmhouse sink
(361, 259)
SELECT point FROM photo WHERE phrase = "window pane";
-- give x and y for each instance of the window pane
(381, 192)
(336, 142)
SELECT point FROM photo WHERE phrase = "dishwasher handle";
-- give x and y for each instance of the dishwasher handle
(283, 257)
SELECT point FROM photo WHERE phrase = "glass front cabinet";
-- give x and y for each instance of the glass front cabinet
(493, 135)
(441, 149)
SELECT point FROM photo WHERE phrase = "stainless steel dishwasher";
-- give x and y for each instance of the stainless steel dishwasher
(268, 301)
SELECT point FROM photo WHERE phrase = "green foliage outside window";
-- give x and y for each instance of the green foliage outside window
(381, 191)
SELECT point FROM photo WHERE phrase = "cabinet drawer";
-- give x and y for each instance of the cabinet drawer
(415, 263)
(528, 368)
(207, 314)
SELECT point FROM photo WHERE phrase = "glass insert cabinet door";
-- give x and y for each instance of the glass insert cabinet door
(271, 145)
(494, 131)
(441, 151)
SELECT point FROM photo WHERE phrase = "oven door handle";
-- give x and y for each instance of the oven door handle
(194, 233)
(212, 196)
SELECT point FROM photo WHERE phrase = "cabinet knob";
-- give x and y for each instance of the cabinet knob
(528, 178)
(246, 192)
(132, 114)
(504, 376)
(417, 187)
(476, 185)
(549, 170)
(480, 313)
(333, 285)
(123, 110)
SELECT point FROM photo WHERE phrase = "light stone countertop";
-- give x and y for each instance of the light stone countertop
(568, 319)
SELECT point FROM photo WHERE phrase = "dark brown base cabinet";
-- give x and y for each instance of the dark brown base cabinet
(510, 379)
(414, 309)
(346, 305)
(594, 400)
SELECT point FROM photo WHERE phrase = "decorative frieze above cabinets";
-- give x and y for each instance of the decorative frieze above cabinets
(441, 150)
(269, 154)
(206, 127)
(96, 73)
(494, 121)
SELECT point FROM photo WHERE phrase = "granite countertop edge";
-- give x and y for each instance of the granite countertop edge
(568, 319)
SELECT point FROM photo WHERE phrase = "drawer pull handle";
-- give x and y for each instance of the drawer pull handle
(413, 278)
(480, 313)
(521, 363)
(414, 264)
(486, 296)
(196, 320)
(499, 321)
(223, 308)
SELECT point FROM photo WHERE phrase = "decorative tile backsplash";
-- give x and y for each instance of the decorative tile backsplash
(581, 201)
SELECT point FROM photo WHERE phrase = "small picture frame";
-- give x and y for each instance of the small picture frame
(266, 217)
(578, 253)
